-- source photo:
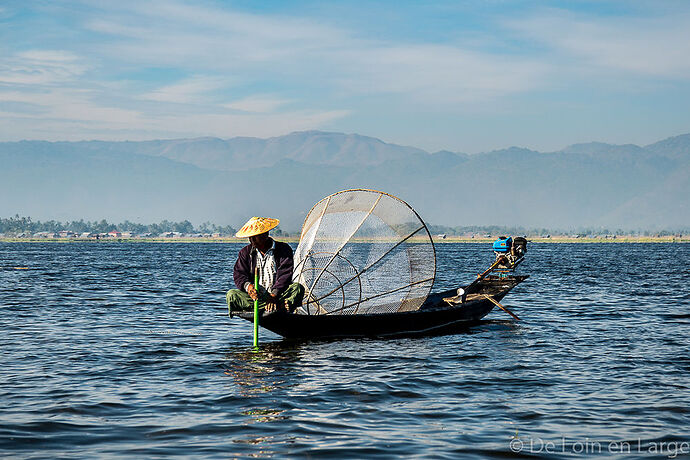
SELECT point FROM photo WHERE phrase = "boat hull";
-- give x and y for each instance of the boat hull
(435, 317)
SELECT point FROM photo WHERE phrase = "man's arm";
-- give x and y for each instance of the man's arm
(242, 271)
(284, 268)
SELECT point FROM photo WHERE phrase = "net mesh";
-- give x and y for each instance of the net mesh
(364, 252)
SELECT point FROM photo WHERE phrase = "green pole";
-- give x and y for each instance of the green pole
(256, 308)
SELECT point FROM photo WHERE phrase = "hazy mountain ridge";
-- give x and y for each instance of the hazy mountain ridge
(583, 185)
(243, 153)
(600, 148)
(672, 147)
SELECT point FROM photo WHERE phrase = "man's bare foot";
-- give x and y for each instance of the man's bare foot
(271, 307)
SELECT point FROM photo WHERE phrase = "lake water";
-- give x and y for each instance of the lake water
(123, 349)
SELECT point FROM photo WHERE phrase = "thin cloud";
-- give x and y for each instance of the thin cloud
(214, 37)
(257, 104)
(260, 125)
(74, 123)
(41, 67)
(441, 74)
(72, 106)
(243, 45)
(191, 90)
(644, 46)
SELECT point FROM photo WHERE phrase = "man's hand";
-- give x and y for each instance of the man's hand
(252, 292)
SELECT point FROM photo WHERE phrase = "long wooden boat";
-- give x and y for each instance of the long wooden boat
(436, 316)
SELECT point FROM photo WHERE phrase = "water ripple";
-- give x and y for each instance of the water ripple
(117, 349)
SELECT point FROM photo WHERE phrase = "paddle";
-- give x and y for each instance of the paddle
(495, 302)
(256, 307)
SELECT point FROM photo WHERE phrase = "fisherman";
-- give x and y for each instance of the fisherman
(275, 264)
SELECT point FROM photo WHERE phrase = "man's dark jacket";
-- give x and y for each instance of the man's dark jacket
(246, 262)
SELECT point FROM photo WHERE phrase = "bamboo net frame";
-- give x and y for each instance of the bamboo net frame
(356, 256)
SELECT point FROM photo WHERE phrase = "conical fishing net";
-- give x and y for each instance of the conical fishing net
(364, 252)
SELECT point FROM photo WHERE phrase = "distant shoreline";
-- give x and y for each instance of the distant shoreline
(449, 239)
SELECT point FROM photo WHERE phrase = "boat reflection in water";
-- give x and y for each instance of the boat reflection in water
(260, 380)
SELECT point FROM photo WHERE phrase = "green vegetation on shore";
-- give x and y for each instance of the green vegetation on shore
(25, 229)
(295, 239)
(17, 224)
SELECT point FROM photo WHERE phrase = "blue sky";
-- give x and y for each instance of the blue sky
(465, 76)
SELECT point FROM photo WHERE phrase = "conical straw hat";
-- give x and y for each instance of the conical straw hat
(257, 226)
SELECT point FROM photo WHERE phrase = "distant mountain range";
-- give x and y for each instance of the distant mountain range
(227, 181)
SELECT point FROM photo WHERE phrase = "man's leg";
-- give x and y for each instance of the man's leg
(238, 301)
(293, 295)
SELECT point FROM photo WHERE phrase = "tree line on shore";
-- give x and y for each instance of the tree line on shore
(19, 224)
(493, 230)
